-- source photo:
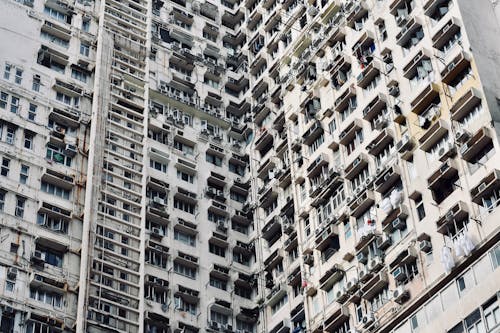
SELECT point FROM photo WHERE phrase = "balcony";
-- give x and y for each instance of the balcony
(477, 143)
(444, 34)
(425, 98)
(448, 171)
(271, 228)
(317, 165)
(361, 203)
(411, 26)
(373, 286)
(312, 133)
(278, 291)
(486, 187)
(459, 212)
(455, 67)
(378, 144)
(356, 166)
(334, 322)
(369, 73)
(433, 135)
(331, 276)
(375, 106)
(327, 236)
(282, 327)
(342, 101)
(387, 179)
(349, 132)
(263, 139)
(399, 213)
(465, 104)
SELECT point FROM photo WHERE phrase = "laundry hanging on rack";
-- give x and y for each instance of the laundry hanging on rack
(447, 259)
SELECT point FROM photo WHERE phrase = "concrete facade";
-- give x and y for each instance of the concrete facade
(255, 166)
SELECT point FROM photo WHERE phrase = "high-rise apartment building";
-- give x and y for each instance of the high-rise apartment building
(180, 166)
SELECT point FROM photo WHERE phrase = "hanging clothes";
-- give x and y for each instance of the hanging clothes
(467, 243)
(457, 244)
(447, 259)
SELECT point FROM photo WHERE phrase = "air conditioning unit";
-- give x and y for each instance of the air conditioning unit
(352, 285)
(375, 263)
(463, 148)
(364, 275)
(156, 231)
(379, 170)
(39, 255)
(400, 295)
(221, 226)
(394, 91)
(358, 190)
(362, 258)
(368, 180)
(271, 173)
(349, 200)
(12, 272)
(403, 144)
(342, 293)
(380, 123)
(308, 259)
(399, 274)
(398, 224)
(368, 319)
(214, 325)
(384, 241)
(401, 19)
(70, 150)
(481, 187)
(425, 246)
(461, 136)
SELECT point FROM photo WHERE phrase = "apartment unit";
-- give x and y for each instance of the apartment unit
(249, 166)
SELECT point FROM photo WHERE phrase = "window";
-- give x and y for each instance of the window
(278, 305)
(216, 160)
(491, 313)
(347, 230)
(23, 174)
(218, 283)
(28, 140)
(19, 76)
(181, 305)
(465, 282)
(54, 39)
(4, 171)
(14, 104)
(158, 166)
(189, 272)
(58, 15)
(495, 254)
(185, 176)
(217, 250)
(84, 49)
(86, 25)
(55, 190)
(419, 204)
(9, 286)
(46, 297)
(79, 75)
(56, 154)
(36, 83)
(185, 206)
(184, 237)
(474, 323)
(51, 257)
(218, 317)
(2, 200)
(52, 223)
(32, 112)
(6, 72)
(4, 98)
(11, 135)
